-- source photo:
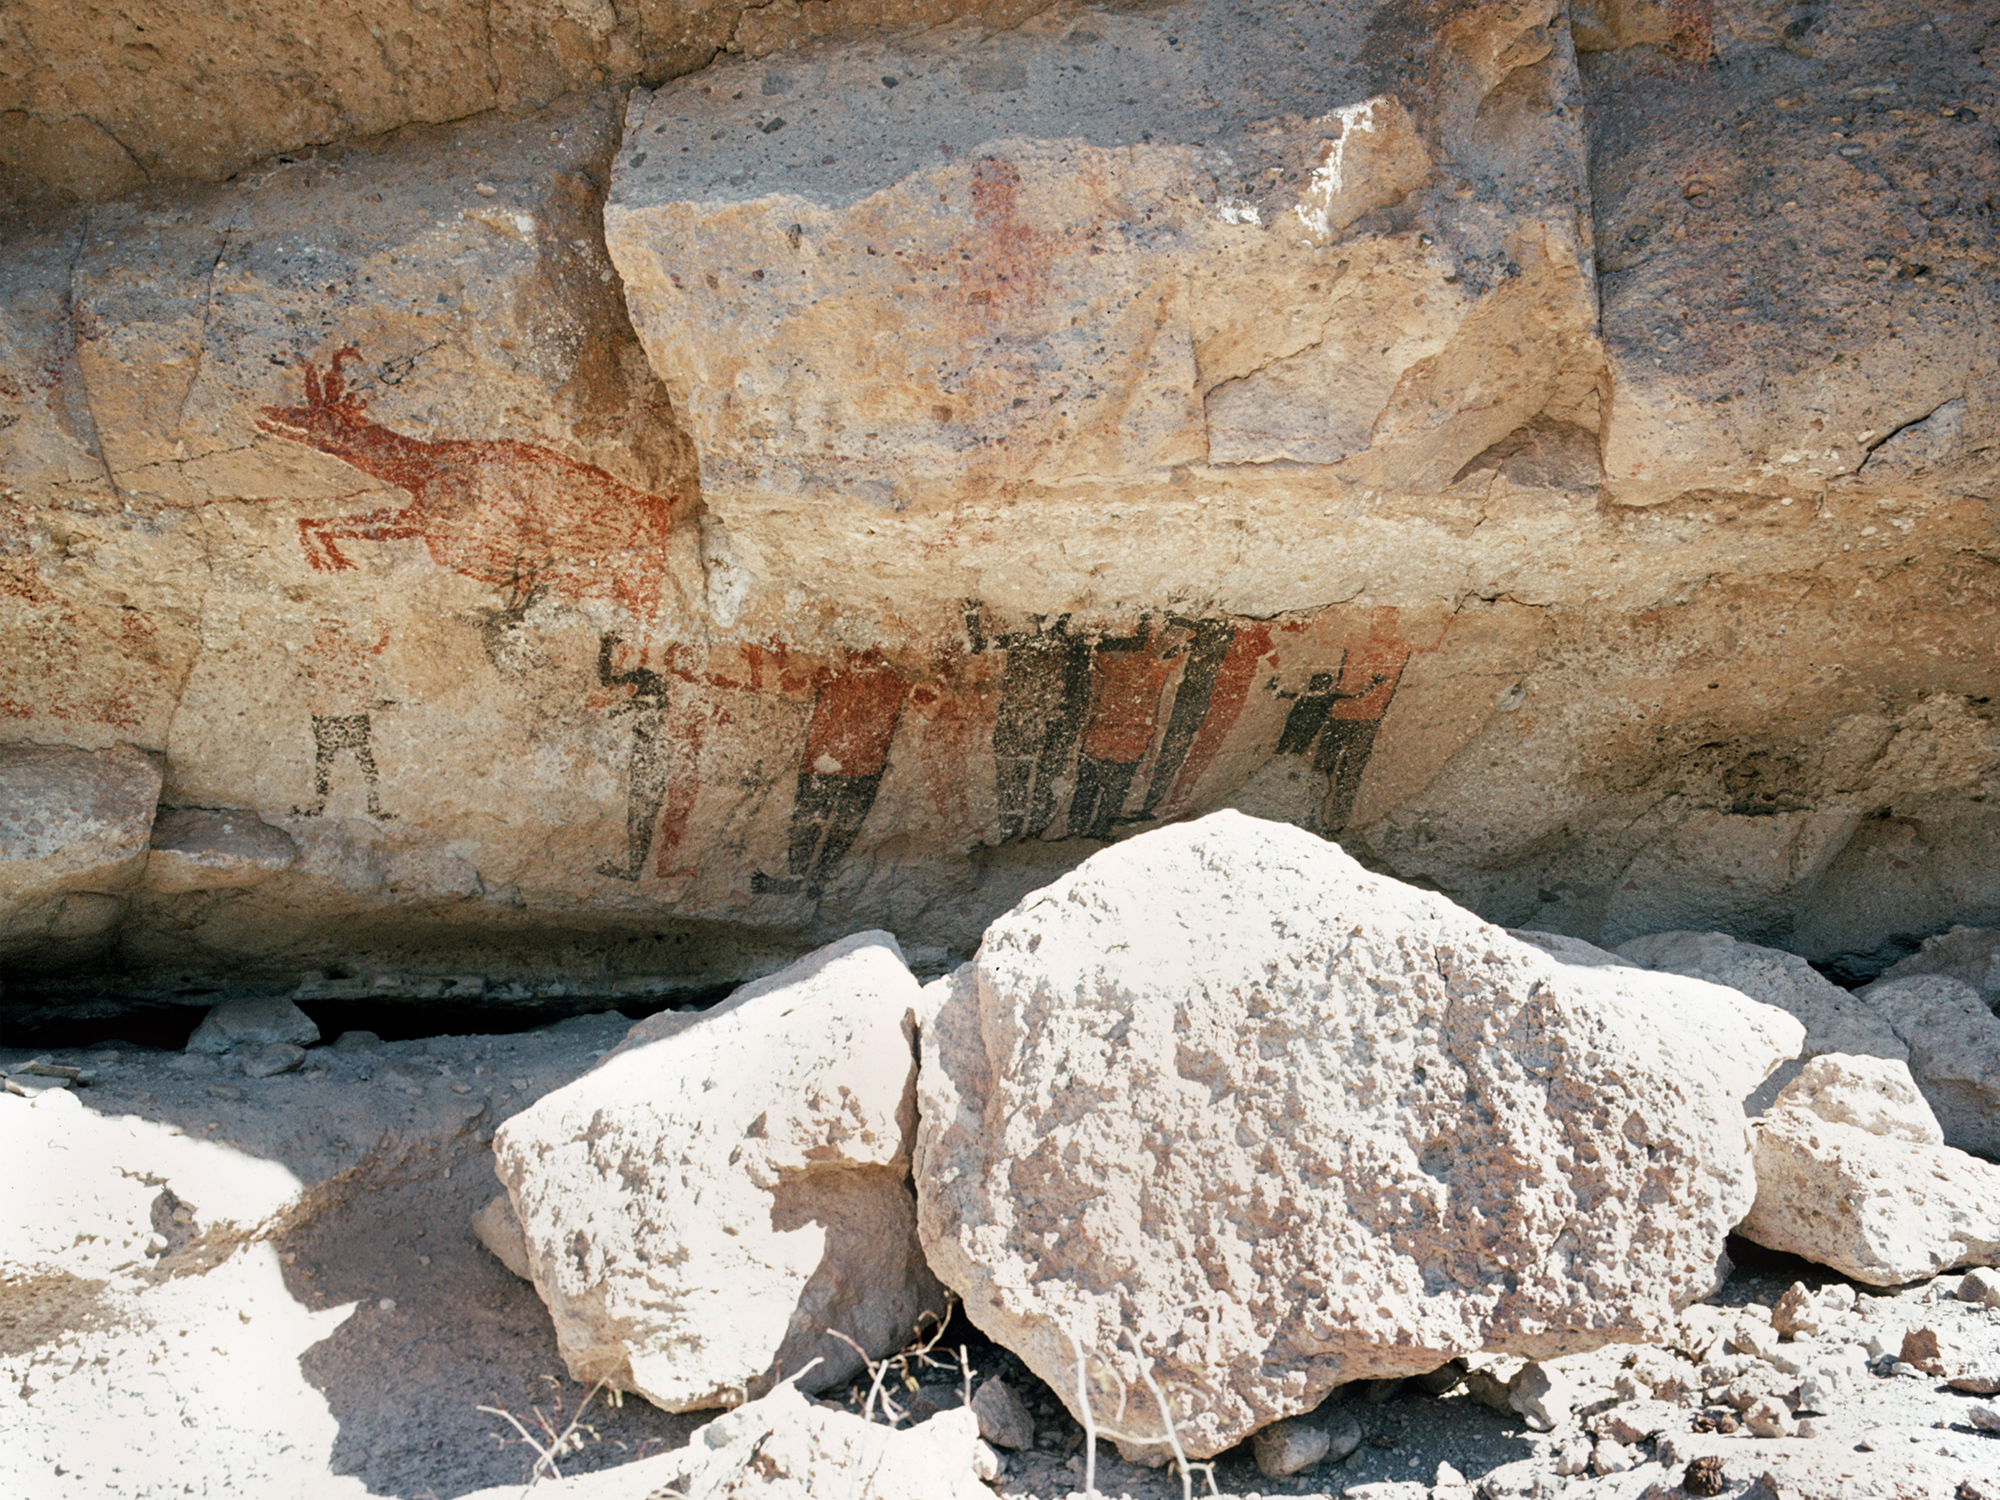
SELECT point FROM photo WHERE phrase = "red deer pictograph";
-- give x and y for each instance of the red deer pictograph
(506, 513)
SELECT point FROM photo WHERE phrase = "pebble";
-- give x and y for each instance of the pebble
(1981, 1286)
(229, 1091)
(268, 1062)
(1768, 1418)
(1288, 1446)
(1611, 1458)
(1983, 1415)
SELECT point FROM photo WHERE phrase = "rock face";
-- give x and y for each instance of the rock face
(729, 1189)
(851, 482)
(1954, 1043)
(73, 832)
(181, 90)
(1851, 1174)
(1289, 1125)
(199, 850)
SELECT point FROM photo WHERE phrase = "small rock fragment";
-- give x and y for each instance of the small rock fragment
(1342, 1438)
(1982, 1379)
(1444, 1378)
(1768, 1418)
(253, 1023)
(1611, 1458)
(228, 1091)
(1540, 1395)
(1288, 1446)
(1983, 1415)
(1981, 1285)
(279, 1057)
(1929, 1351)
(1704, 1475)
(1004, 1419)
(497, 1228)
(1573, 1459)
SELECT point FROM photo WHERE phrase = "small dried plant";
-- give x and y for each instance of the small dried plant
(553, 1438)
(920, 1355)
(1110, 1382)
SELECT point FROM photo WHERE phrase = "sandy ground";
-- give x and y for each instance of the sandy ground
(212, 1284)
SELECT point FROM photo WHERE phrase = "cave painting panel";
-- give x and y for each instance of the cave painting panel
(1046, 730)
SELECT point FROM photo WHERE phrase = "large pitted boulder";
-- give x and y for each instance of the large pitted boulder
(1954, 1043)
(1852, 1174)
(73, 831)
(1289, 1124)
(728, 1190)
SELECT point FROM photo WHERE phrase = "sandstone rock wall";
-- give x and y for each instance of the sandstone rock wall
(1546, 448)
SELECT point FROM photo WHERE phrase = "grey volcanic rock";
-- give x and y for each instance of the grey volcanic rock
(264, 1022)
(729, 1189)
(1970, 955)
(1291, 1125)
(196, 849)
(73, 831)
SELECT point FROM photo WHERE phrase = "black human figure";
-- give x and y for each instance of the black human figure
(333, 733)
(646, 787)
(1044, 696)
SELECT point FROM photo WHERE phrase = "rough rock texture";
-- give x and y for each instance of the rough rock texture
(784, 1447)
(194, 849)
(497, 1228)
(1954, 1043)
(1850, 1175)
(1834, 1019)
(253, 1023)
(179, 89)
(1970, 955)
(729, 1189)
(1288, 1124)
(73, 831)
(1639, 579)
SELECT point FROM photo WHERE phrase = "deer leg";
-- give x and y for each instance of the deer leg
(317, 536)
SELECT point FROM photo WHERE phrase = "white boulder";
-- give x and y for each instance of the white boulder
(1954, 1048)
(1289, 1125)
(728, 1190)
(1850, 1175)
(1835, 1021)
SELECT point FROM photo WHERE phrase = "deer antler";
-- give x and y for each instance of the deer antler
(334, 389)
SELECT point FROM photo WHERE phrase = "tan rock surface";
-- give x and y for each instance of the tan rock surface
(177, 89)
(1291, 1125)
(548, 673)
(73, 838)
(728, 1190)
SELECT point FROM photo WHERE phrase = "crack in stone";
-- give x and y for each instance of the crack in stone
(71, 301)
